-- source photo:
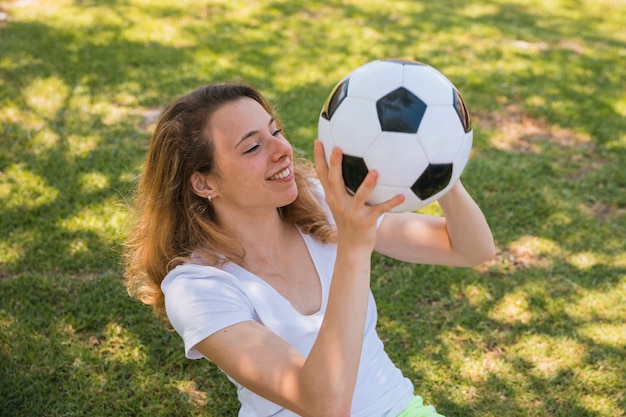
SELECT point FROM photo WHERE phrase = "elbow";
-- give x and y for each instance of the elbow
(478, 255)
(487, 253)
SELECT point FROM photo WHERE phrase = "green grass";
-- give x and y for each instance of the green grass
(539, 331)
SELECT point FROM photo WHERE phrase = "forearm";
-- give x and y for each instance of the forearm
(331, 369)
(468, 231)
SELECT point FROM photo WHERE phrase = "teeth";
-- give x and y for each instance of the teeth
(282, 174)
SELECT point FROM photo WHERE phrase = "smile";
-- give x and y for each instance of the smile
(282, 174)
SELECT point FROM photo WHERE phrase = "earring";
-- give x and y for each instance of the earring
(209, 198)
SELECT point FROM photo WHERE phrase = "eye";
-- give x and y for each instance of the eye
(251, 149)
(276, 132)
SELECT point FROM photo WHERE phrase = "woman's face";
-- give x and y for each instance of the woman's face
(253, 160)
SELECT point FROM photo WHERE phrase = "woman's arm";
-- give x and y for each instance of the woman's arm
(461, 238)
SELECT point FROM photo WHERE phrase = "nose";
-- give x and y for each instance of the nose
(280, 147)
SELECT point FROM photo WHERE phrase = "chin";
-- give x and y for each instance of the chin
(292, 197)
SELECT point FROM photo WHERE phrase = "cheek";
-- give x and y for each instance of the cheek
(237, 176)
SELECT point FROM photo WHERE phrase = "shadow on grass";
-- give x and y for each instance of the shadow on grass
(87, 349)
(92, 70)
(528, 342)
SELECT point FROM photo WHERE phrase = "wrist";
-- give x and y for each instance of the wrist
(453, 195)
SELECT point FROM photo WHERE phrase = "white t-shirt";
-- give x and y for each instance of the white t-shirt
(201, 300)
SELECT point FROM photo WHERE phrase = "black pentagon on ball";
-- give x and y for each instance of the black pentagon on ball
(400, 111)
(354, 171)
(434, 179)
(336, 96)
(461, 110)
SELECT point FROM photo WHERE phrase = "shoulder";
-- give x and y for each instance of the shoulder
(200, 300)
(193, 274)
(190, 282)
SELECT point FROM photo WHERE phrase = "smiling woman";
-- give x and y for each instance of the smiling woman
(181, 157)
(264, 268)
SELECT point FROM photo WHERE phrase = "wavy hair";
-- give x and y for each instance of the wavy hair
(170, 222)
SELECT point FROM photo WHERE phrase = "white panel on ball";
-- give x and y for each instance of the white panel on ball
(441, 134)
(326, 137)
(396, 168)
(375, 79)
(462, 158)
(351, 136)
(425, 83)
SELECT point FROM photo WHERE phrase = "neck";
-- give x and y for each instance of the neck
(263, 236)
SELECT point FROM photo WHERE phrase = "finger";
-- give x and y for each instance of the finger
(366, 187)
(334, 169)
(386, 206)
(321, 167)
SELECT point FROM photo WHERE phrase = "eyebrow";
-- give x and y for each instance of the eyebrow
(252, 133)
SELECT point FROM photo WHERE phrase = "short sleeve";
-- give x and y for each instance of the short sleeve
(201, 300)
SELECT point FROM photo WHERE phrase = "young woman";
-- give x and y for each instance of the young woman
(262, 265)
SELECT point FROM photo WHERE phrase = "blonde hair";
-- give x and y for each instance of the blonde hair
(170, 222)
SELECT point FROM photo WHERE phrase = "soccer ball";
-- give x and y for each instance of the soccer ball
(404, 119)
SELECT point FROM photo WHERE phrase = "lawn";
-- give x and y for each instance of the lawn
(538, 331)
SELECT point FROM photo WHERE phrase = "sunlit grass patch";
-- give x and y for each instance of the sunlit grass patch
(93, 181)
(604, 303)
(513, 308)
(605, 333)
(24, 189)
(547, 356)
(118, 344)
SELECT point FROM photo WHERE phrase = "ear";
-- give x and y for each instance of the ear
(202, 185)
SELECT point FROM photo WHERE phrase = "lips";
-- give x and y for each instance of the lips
(282, 174)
